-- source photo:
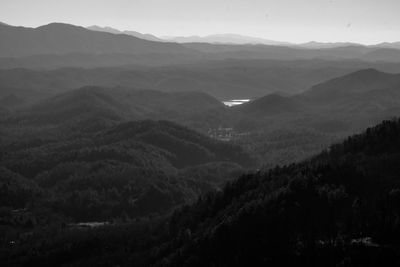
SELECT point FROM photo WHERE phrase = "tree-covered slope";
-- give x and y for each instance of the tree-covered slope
(136, 167)
(321, 212)
(340, 208)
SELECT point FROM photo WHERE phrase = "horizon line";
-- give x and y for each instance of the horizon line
(163, 37)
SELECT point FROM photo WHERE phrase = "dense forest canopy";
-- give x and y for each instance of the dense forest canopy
(339, 207)
(131, 167)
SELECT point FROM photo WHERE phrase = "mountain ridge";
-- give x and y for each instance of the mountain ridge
(62, 38)
(144, 36)
(355, 82)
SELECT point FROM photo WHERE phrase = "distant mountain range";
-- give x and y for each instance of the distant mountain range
(228, 38)
(75, 40)
(62, 45)
(320, 45)
(62, 39)
(148, 37)
(349, 101)
(232, 38)
(237, 39)
(395, 45)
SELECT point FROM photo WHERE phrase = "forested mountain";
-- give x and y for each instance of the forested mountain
(284, 129)
(357, 82)
(223, 79)
(362, 93)
(337, 208)
(329, 209)
(119, 104)
(352, 94)
(122, 103)
(137, 168)
(92, 108)
(278, 129)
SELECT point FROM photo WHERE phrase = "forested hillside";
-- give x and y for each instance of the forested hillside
(339, 208)
(333, 208)
(134, 168)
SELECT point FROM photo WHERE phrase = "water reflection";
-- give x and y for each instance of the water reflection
(235, 102)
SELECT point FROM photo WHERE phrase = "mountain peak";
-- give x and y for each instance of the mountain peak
(367, 75)
(104, 29)
(366, 71)
(59, 26)
(108, 29)
(361, 81)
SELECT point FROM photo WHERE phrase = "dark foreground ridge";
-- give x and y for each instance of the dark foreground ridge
(340, 208)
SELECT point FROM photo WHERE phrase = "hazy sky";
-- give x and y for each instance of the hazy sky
(364, 21)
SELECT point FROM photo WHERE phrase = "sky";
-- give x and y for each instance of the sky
(296, 21)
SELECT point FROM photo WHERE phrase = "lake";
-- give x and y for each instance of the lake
(235, 102)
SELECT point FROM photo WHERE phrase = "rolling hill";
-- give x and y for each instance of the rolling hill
(223, 79)
(357, 82)
(139, 167)
(363, 93)
(339, 96)
(92, 104)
